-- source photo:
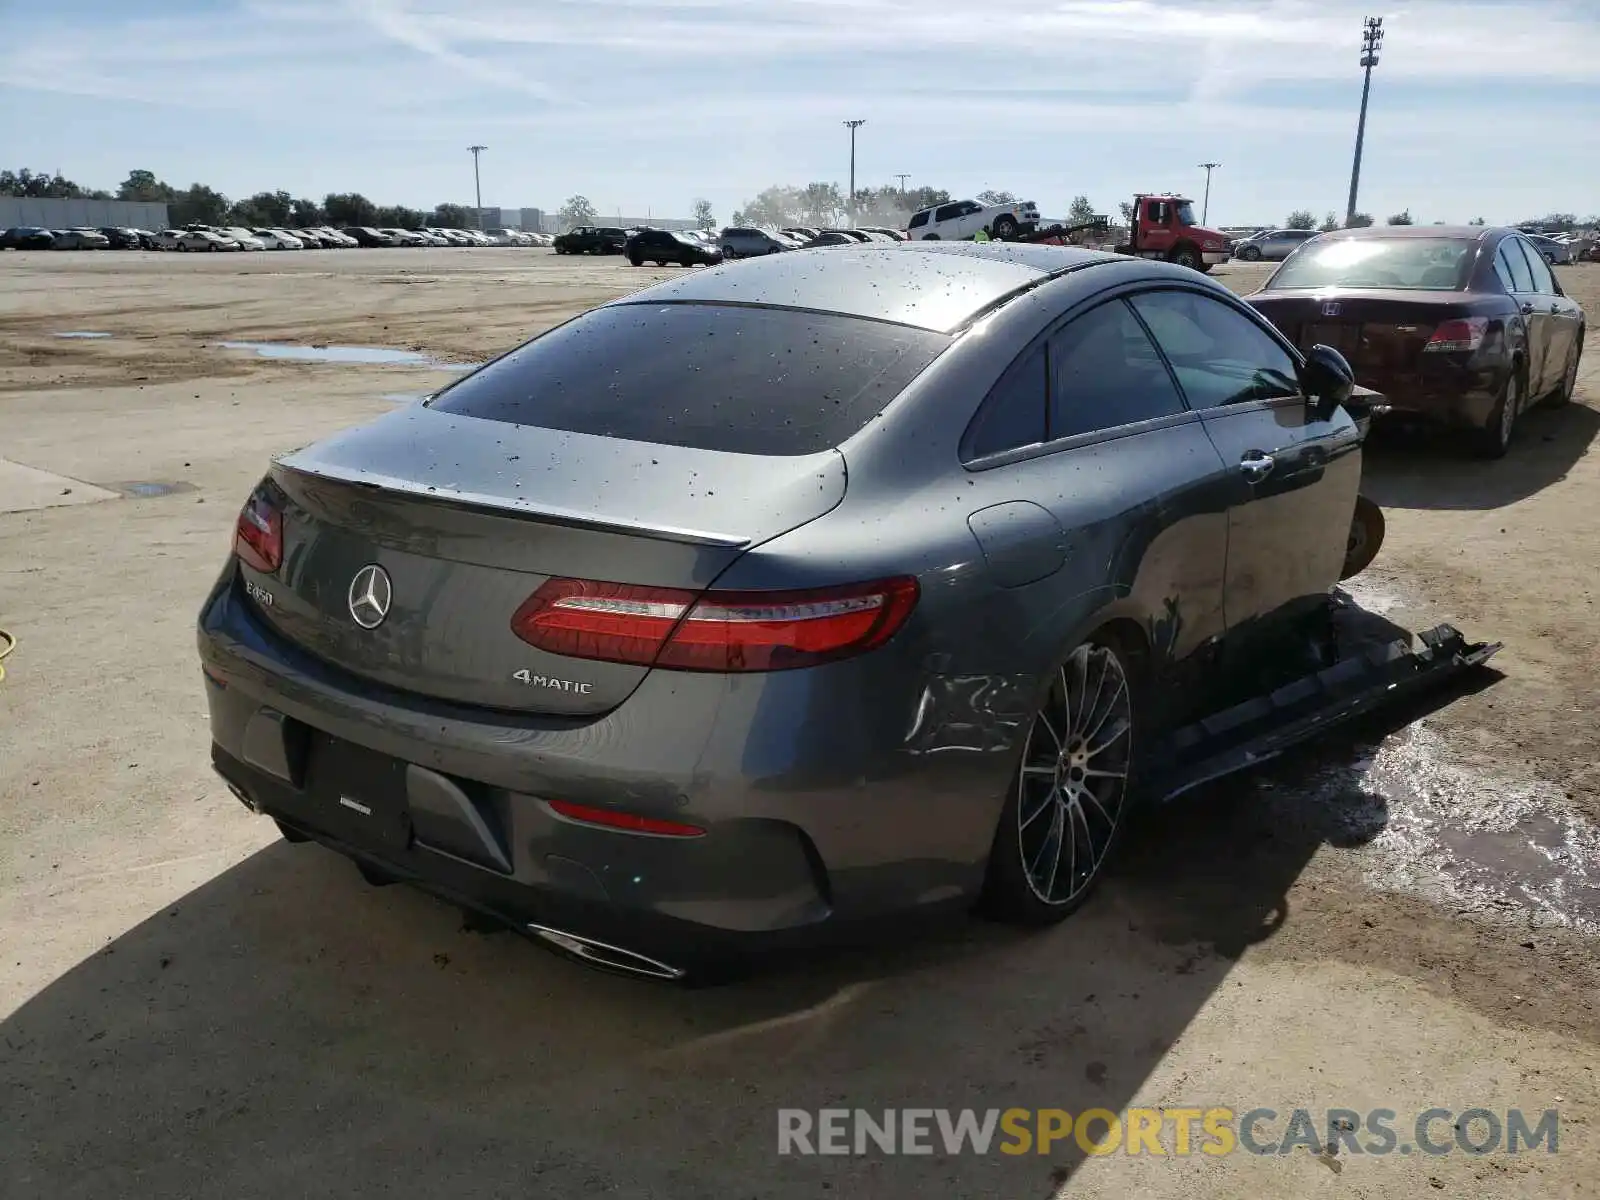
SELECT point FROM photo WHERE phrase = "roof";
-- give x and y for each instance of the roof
(931, 285)
(1472, 232)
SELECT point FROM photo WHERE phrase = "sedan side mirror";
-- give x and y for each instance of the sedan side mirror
(1328, 380)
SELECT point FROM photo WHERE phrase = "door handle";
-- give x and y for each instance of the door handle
(1256, 466)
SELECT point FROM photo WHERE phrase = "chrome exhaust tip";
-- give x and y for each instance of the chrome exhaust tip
(602, 954)
(239, 793)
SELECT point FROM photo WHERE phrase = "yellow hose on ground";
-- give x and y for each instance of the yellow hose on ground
(7, 648)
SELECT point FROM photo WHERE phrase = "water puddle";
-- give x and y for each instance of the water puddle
(1461, 836)
(349, 355)
(81, 334)
(143, 489)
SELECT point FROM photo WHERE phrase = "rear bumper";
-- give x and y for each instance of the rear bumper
(814, 828)
(1453, 393)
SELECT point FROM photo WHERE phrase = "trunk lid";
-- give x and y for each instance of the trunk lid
(1381, 334)
(467, 517)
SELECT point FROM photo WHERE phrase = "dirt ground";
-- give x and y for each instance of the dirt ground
(1403, 918)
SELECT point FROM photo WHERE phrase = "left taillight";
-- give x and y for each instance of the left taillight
(714, 631)
(258, 535)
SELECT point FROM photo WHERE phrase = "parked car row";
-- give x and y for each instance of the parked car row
(215, 238)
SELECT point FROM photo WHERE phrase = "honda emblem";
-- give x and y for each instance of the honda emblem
(1331, 308)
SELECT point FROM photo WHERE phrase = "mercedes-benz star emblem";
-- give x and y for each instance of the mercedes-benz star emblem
(370, 594)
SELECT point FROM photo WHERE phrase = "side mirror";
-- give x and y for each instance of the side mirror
(1328, 380)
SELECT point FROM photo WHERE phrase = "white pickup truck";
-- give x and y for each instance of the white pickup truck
(962, 219)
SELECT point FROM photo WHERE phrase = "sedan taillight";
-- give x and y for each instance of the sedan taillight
(258, 535)
(1460, 334)
(714, 631)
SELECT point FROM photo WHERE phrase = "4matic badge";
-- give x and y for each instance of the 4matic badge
(528, 679)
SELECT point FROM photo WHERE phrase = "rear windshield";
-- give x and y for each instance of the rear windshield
(1433, 264)
(715, 377)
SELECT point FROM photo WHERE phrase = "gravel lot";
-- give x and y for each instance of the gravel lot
(1405, 917)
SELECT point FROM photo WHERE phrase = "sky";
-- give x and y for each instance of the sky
(1477, 108)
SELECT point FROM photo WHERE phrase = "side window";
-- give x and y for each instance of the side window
(1543, 281)
(1521, 277)
(918, 221)
(1104, 372)
(948, 213)
(1014, 413)
(1220, 356)
(1502, 269)
(1156, 211)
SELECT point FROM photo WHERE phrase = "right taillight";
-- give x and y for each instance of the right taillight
(1458, 334)
(258, 535)
(714, 631)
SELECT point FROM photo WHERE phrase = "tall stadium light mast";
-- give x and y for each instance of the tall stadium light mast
(1205, 205)
(852, 126)
(477, 186)
(1371, 41)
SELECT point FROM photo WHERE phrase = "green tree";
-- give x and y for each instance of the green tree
(451, 216)
(926, 197)
(703, 217)
(1125, 207)
(143, 186)
(1401, 218)
(307, 212)
(198, 205)
(1358, 220)
(1301, 218)
(775, 206)
(1080, 210)
(40, 186)
(269, 209)
(1329, 223)
(576, 211)
(1477, 221)
(1555, 222)
(398, 216)
(349, 208)
(993, 197)
(819, 204)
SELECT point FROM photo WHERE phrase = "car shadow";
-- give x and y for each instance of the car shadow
(1412, 466)
(287, 1030)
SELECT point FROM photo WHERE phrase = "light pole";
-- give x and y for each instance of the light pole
(1205, 205)
(1371, 39)
(853, 126)
(477, 186)
(902, 177)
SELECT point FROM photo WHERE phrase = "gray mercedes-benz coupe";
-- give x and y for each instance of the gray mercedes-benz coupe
(788, 595)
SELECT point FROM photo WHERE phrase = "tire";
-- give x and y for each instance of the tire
(1187, 256)
(931, 237)
(638, 262)
(1494, 439)
(1568, 386)
(1005, 227)
(184, 247)
(1091, 694)
(1365, 540)
(1251, 254)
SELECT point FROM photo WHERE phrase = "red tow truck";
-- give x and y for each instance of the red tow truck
(1163, 227)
